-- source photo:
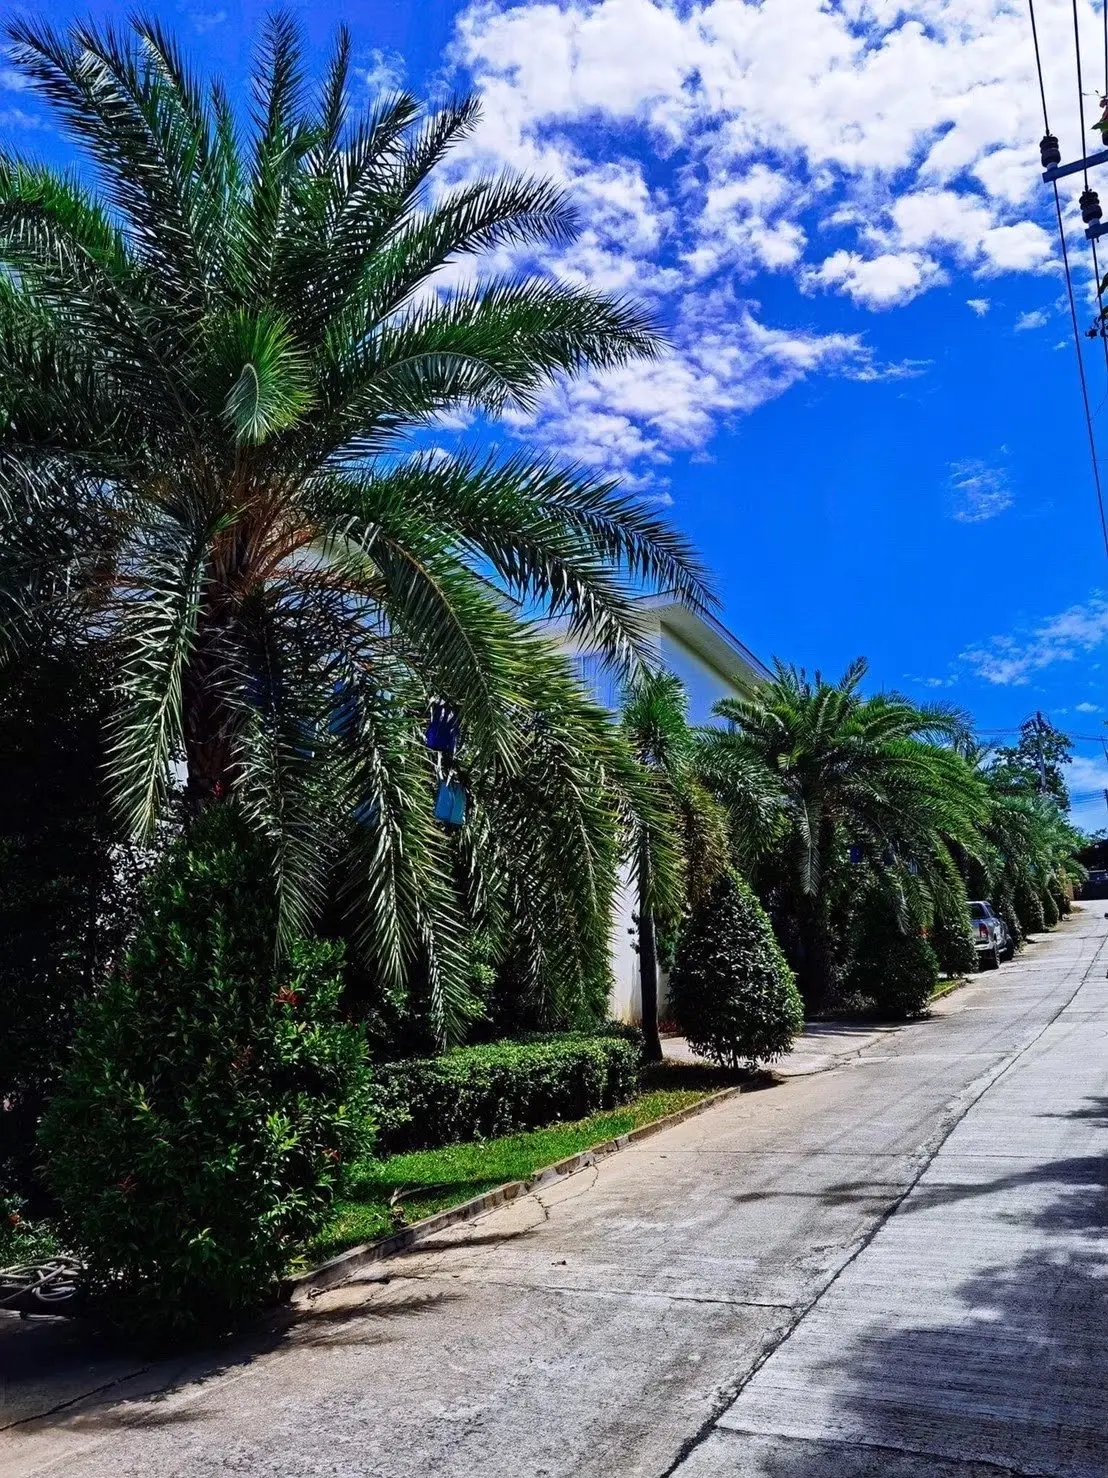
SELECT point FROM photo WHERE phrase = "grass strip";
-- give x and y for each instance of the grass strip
(385, 1195)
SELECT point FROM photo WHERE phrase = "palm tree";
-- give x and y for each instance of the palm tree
(216, 364)
(861, 781)
(679, 844)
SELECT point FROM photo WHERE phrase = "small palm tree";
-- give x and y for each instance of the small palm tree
(679, 846)
(861, 781)
(213, 361)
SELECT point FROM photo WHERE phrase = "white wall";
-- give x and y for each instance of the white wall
(705, 685)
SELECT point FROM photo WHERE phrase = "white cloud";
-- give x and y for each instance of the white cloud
(12, 81)
(20, 118)
(981, 491)
(859, 148)
(1036, 318)
(726, 364)
(1086, 780)
(879, 282)
(1088, 707)
(207, 20)
(384, 71)
(1062, 638)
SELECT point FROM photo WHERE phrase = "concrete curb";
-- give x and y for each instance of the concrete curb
(949, 988)
(338, 1270)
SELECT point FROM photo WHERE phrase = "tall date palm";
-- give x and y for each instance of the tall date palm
(226, 349)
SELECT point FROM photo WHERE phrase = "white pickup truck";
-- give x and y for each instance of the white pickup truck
(990, 936)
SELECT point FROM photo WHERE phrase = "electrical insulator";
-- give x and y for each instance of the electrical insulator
(1090, 206)
(1049, 152)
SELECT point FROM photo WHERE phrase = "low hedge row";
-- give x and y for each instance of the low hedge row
(502, 1088)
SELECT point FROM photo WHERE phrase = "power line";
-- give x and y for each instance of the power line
(1066, 260)
(1081, 370)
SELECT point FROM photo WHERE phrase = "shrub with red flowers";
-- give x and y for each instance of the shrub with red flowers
(212, 1099)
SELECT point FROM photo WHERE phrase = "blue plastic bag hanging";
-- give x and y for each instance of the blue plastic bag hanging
(442, 730)
(450, 804)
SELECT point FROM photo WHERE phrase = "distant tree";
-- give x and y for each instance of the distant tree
(1034, 765)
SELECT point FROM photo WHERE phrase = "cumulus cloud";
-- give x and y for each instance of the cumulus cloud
(884, 281)
(728, 364)
(384, 71)
(1088, 707)
(980, 491)
(1036, 318)
(862, 150)
(1086, 780)
(1011, 660)
(207, 20)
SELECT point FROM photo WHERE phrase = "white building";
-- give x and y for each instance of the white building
(711, 663)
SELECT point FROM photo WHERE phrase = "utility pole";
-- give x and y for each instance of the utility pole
(1040, 728)
(1035, 728)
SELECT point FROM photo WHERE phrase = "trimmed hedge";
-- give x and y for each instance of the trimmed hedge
(502, 1088)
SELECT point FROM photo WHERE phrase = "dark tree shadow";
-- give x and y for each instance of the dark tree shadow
(1014, 1382)
(57, 1371)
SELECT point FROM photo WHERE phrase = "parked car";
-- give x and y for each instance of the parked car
(991, 938)
(1095, 885)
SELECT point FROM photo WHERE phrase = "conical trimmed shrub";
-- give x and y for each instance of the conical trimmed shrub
(1050, 908)
(1029, 906)
(894, 965)
(731, 991)
(951, 936)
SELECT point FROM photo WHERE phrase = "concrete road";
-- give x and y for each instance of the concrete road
(896, 1265)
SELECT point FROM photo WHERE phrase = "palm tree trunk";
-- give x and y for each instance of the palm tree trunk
(648, 970)
(813, 977)
(208, 728)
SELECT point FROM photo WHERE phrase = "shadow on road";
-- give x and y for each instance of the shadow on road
(55, 1371)
(1013, 1380)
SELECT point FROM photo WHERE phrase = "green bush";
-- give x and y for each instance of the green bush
(22, 1240)
(1005, 908)
(730, 991)
(1029, 906)
(211, 1101)
(1050, 907)
(894, 966)
(67, 888)
(952, 937)
(501, 1088)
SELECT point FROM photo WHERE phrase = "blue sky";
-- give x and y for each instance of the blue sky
(868, 418)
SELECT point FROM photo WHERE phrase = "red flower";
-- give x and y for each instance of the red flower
(332, 1155)
(286, 996)
(15, 1219)
(127, 1185)
(218, 790)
